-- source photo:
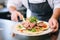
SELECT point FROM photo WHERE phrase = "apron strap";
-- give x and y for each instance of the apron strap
(46, 1)
(28, 3)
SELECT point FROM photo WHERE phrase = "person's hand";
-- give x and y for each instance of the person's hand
(53, 24)
(15, 14)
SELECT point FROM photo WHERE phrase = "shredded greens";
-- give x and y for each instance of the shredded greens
(32, 30)
(21, 27)
(33, 19)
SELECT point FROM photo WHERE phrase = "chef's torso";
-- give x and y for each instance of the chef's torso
(38, 8)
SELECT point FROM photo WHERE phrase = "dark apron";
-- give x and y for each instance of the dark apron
(42, 11)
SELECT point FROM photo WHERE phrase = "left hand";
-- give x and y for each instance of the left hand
(53, 24)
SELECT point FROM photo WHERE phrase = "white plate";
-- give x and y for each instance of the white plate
(33, 34)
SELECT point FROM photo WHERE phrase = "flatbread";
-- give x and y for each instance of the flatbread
(29, 32)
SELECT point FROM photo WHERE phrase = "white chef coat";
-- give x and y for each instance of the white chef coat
(17, 3)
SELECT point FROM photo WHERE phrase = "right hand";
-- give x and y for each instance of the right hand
(53, 24)
(15, 14)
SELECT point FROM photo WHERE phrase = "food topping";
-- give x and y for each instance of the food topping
(32, 25)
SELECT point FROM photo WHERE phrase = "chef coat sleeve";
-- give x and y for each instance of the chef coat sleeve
(16, 3)
(56, 4)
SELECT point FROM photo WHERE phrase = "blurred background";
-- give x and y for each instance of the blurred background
(7, 24)
(4, 13)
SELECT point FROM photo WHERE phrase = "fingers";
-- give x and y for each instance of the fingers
(56, 28)
(50, 24)
(53, 24)
(20, 16)
(14, 17)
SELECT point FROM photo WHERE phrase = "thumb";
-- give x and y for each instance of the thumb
(50, 24)
(20, 16)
